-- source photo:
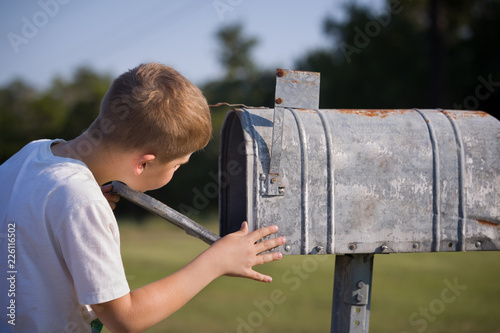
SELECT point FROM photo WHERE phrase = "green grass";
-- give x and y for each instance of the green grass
(409, 290)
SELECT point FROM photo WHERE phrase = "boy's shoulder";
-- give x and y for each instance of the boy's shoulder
(25, 152)
(35, 170)
(38, 188)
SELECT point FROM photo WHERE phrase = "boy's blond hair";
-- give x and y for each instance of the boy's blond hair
(153, 108)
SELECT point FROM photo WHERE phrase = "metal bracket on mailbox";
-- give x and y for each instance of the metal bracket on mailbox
(294, 90)
(359, 295)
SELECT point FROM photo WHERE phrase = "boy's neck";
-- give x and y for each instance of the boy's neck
(98, 158)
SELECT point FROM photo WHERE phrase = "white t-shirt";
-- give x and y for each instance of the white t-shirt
(59, 244)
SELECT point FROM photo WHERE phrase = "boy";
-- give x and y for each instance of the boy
(63, 266)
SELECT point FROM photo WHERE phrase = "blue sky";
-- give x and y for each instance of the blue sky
(44, 38)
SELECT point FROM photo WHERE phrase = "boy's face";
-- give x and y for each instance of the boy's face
(158, 174)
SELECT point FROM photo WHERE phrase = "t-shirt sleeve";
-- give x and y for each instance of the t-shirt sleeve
(90, 245)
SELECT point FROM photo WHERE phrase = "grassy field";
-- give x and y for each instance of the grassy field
(439, 292)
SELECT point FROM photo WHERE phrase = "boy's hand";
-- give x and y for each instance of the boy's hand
(238, 252)
(234, 255)
(111, 197)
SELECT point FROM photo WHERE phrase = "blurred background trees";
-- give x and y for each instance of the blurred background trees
(414, 54)
(418, 54)
(63, 110)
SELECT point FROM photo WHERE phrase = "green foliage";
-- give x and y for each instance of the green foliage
(63, 110)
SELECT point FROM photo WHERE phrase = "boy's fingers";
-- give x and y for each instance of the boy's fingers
(244, 227)
(112, 197)
(265, 258)
(263, 232)
(106, 188)
(260, 277)
(269, 244)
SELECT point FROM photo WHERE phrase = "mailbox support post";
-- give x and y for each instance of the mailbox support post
(352, 293)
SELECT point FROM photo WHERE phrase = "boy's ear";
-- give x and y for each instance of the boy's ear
(142, 162)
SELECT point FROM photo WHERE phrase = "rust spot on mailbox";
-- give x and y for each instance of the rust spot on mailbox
(373, 112)
(489, 223)
(466, 113)
(307, 110)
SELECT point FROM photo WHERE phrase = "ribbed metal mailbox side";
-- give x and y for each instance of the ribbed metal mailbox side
(366, 181)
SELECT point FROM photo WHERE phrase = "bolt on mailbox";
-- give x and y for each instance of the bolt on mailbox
(363, 181)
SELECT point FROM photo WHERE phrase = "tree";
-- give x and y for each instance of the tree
(426, 54)
(64, 110)
(235, 52)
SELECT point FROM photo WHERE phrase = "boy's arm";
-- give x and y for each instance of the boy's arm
(233, 255)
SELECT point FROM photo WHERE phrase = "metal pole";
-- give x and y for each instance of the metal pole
(352, 293)
(159, 208)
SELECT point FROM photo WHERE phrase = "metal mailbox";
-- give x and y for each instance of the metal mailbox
(359, 182)
(364, 181)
